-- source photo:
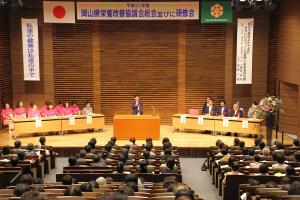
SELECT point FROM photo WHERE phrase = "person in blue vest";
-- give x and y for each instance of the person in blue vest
(137, 105)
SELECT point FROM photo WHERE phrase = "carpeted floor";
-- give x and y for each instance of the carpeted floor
(198, 180)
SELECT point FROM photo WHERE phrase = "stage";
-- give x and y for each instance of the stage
(191, 144)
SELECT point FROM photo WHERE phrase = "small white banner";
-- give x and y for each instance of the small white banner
(244, 49)
(138, 10)
(89, 119)
(225, 122)
(71, 121)
(38, 123)
(30, 39)
(200, 120)
(183, 119)
(245, 124)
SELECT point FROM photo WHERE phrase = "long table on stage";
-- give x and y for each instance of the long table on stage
(23, 126)
(217, 124)
(138, 126)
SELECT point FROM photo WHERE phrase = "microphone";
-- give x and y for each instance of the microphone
(154, 113)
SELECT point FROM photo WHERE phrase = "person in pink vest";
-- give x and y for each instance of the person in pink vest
(44, 108)
(20, 110)
(59, 108)
(75, 108)
(6, 114)
(33, 111)
(50, 111)
(66, 111)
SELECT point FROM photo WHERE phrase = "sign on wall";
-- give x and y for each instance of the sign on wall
(216, 12)
(244, 49)
(30, 49)
(138, 10)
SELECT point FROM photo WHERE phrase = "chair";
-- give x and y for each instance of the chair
(91, 194)
(56, 191)
(277, 194)
(143, 194)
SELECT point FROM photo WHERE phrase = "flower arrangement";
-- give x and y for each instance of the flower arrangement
(269, 105)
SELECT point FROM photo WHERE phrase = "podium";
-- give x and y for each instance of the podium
(138, 126)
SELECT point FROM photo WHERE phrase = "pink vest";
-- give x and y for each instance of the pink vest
(75, 109)
(49, 113)
(20, 112)
(31, 113)
(6, 113)
(66, 111)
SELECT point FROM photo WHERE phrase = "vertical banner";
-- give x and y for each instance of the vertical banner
(30, 49)
(244, 49)
(216, 12)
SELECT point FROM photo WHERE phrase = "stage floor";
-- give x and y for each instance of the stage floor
(179, 139)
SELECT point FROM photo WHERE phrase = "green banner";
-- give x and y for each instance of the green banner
(216, 12)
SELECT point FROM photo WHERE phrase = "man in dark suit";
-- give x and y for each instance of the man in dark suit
(223, 110)
(237, 112)
(205, 105)
(137, 105)
(210, 109)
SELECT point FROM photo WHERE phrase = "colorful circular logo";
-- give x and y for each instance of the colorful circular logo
(216, 10)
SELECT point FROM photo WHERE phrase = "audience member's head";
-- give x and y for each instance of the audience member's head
(271, 184)
(92, 143)
(290, 171)
(235, 166)
(94, 184)
(294, 188)
(296, 142)
(97, 159)
(101, 181)
(14, 161)
(241, 144)
(17, 144)
(262, 145)
(252, 181)
(180, 186)
(149, 146)
(251, 152)
(143, 166)
(86, 187)
(67, 180)
(43, 140)
(109, 180)
(72, 161)
(132, 139)
(236, 141)
(245, 151)
(279, 146)
(73, 190)
(133, 186)
(104, 155)
(108, 147)
(165, 139)
(263, 169)
(131, 178)
(266, 151)
(297, 156)
(88, 148)
(113, 140)
(224, 151)
(148, 140)
(169, 180)
(21, 189)
(170, 162)
(256, 158)
(30, 147)
(184, 194)
(120, 167)
(21, 155)
(126, 190)
(285, 180)
(26, 179)
(32, 195)
(146, 154)
(5, 150)
(279, 158)
(82, 154)
(257, 141)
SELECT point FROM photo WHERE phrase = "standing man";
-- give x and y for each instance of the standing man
(137, 105)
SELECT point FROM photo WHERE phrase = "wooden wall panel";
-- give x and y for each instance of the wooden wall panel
(5, 61)
(73, 58)
(287, 44)
(205, 61)
(139, 57)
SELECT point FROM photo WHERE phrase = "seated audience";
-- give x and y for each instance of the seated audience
(184, 194)
(101, 181)
(294, 188)
(73, 190)
(170, 166)
(98, 162)
(280, 165)
(67, 180)
(21, 189)
(72, 161)
(256, 162)
(86, 187)
(126, 190)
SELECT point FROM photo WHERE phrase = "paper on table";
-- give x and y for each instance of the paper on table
(225, 122)
(89, 119)
(71, 120)
(38, 123)
(200, 120)
(245, 124)
(183, 119)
